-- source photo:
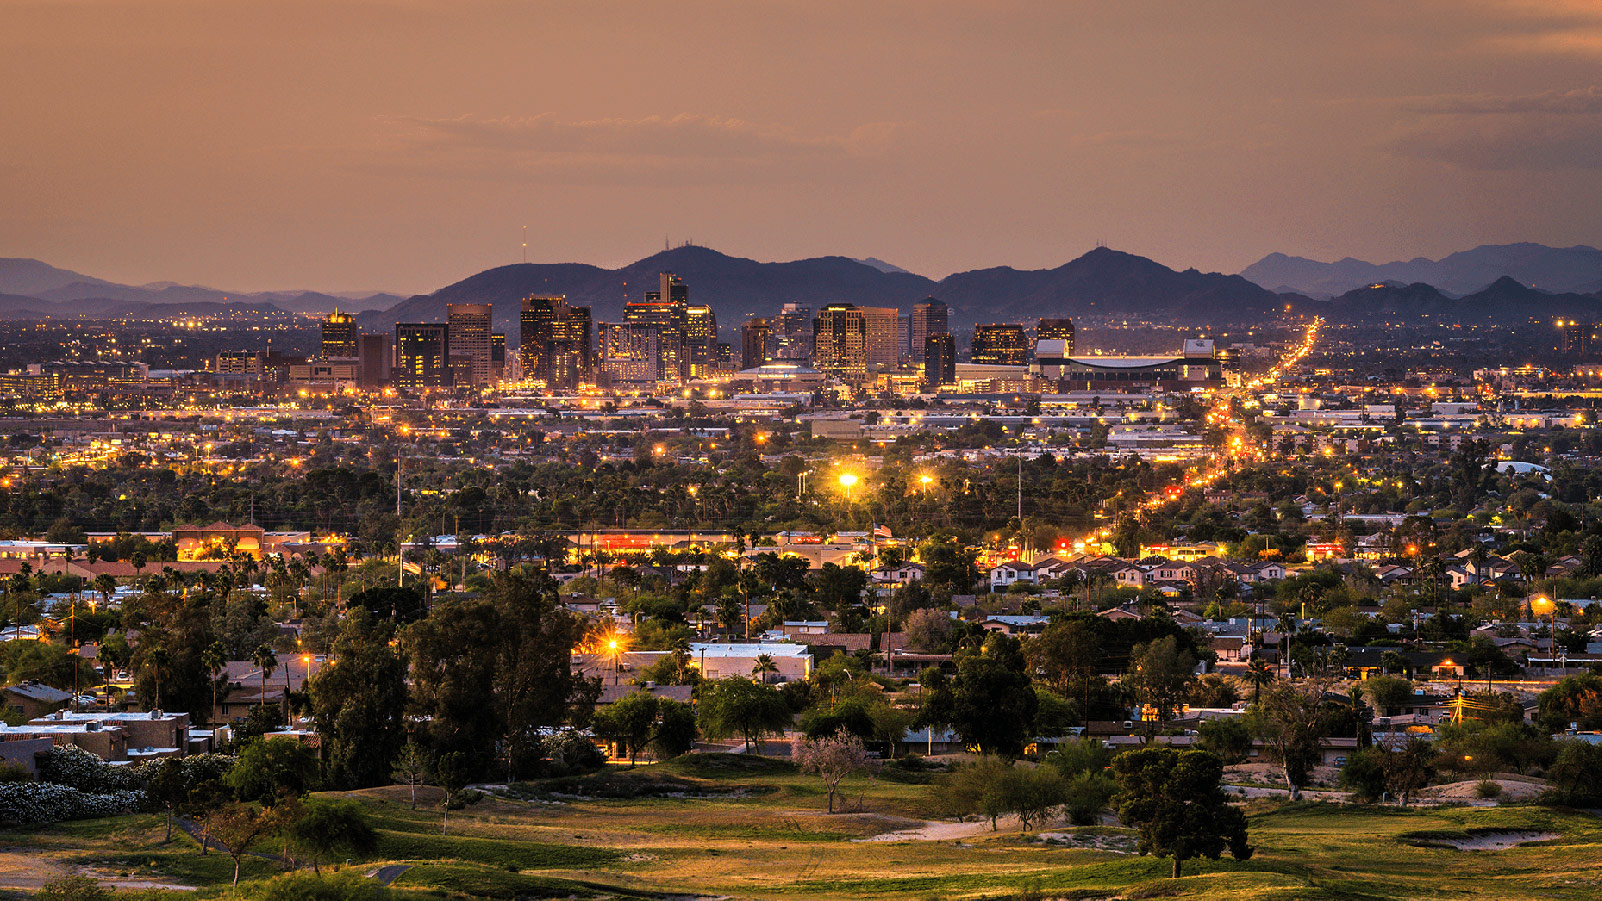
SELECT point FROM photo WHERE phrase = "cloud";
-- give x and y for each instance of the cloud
(1580, 101)
(685, 148)
(1493, 136)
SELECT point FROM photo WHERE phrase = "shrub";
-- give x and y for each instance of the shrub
(1573, 775)
(72, 888)
(348, 886)
(46, 802)
(76, 768)
(1488, 789)
(1086, 795)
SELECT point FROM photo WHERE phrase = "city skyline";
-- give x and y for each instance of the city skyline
(939, 137)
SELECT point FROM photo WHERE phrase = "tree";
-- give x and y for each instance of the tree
(1259, 675)
(451, 775)
(1289, 718)
(265, 659)
(832, 758)
(535, 686)
(736, 706)
(1160, 674)
(332, 824)
(1573, 775)
(675, 730)
(238, 826)
(991, 702)
(1387, 693)
(927, 630)
(628, 722)
(411, 768)
(1575, 699)
(974, 788)
(272, 770)
(765, 668)
(1213, 690)
(358, 703)
(1176, 802)
(1033, 792)
(1230, 738)
(1408, 768)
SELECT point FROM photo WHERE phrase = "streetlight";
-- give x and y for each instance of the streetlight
(617, 659)
(1541, 605)
(848, 481)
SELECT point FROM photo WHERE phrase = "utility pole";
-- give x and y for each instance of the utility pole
(400, 542)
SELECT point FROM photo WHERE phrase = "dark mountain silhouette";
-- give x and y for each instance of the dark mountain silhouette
(1101, 283)
(62, 292)
(1556, 269)
(1504, 300)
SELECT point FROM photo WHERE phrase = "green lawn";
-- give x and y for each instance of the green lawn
(756, 829)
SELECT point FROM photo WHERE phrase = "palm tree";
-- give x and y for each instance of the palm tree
(156, 661)
(267, 659)
(765, 666)
(106, 585)
(1258, 674)
(213, 660)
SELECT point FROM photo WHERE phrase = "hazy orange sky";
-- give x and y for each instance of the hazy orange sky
(344, 144)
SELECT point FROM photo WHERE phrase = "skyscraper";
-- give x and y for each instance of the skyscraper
(792, 334)
(373, 361)
(470, 340)
(939, 360)
(339, 336)
(1578, 337)
(667, 309)
(422, 355)
(882, 331)
(1058, 330)
(1000, 344)
(840, 342)
(700, 341)
(628, 355)
(756, 336)
(929, 317)
(555, 342)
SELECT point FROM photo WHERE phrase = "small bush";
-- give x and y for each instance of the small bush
(44, 802)
(348, 886)
(73, 888)
(1488, 789)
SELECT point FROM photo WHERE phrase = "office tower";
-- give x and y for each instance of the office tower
(373, 361)
(555, 343)
(1057, 330)
(422, 355)
(665, 308)
(1578, 337)
(339, 336)
(470, 340)
(792, 334)
(498, 357)
(700, 341)
(840, 342)
(939, 361)
(756, 337)
(629, 355)
(881, 326)
(1000, 344)
(929, 317)
(242, 364)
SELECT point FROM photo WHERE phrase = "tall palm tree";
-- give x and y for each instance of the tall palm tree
(213, 660)
(267, 659)
(1258, 674)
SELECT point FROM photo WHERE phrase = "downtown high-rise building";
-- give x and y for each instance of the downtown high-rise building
(882, 337)
(1057, 330)
(469, 341)
(792, 334)
(373, 361)
(629, 354)
(555, 343)
(939, 361)
(700, 341)
(666, 308)
(840, 342)
(756, 343)
(1000, 344)
(340, 335)
(422, 355)
(929, 317)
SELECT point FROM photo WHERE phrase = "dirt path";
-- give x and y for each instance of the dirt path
(387, 875)
(942, 831)
(27, 872)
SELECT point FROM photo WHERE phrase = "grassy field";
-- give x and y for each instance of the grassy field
(743, 828)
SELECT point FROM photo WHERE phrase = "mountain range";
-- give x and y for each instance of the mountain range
(1102, 284)
(1559, 270)
(30, 289)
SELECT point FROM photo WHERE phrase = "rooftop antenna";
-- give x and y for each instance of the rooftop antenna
(525, 244)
